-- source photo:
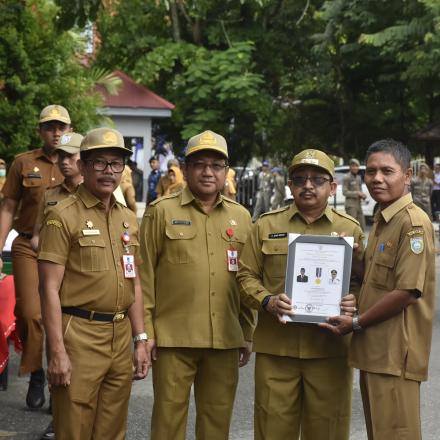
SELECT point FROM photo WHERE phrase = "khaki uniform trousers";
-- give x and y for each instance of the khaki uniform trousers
(215, 377)
(311, 397)
(27, 308)
(355, 210)
(391, 407)
(95, 404)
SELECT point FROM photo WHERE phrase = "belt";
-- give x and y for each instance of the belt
(95, 316)
(25, 235)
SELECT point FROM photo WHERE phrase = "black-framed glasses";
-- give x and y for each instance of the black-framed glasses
(201, 166)
(117, 166)
(300, 181)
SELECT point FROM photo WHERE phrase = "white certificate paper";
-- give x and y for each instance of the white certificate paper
(318, 275)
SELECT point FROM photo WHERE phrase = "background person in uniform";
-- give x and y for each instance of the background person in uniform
(29, 176)
(302, 277)
(127, 189)
(279, 191)
(421, 189)
(87, 292)
(200, 334)
(392, 333)
(175, 178)
(137, 176)
(435, 197)
(164, 181)
(230, 188)
(264, 191)
(299, 368)
(68, 155)
(153, 179)
(352, 190)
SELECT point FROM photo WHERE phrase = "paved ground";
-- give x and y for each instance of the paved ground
(18, 423)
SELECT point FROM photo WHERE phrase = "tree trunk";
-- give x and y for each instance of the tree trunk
(175, 22)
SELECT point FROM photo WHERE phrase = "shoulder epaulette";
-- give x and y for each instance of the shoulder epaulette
(234, 202)
(168, 196)
(416, 215)
(25, 153)
(65, 203)
(345, 215)
(275, 211)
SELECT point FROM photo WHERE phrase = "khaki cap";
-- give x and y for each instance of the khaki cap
(314, 158)
(70, 142)
(100, 138)
(54, 113)
(208, 140)
(354, 162)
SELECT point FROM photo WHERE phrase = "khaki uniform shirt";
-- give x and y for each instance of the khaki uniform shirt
(50, 198)
(399, 255)
(421, 190)
(78, 234)
(190, 298)
(350, 187)
(262, 272)
(30, 175)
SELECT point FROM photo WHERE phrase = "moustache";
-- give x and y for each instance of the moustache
(306, 192)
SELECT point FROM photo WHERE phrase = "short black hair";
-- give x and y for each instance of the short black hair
(85, 155)
(396, 148)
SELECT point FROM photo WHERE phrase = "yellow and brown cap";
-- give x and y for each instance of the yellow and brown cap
(314, 158)
(354, 161)
(70, 142)
(208, 140)
(54, 113)
(100, 138)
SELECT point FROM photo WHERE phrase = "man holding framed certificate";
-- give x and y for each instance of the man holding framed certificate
(303, 381)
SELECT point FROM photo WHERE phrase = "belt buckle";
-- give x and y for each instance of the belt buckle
(118, 316)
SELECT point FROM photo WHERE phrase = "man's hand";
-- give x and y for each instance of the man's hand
(59, 369)
(34, 242)
(348, 305)
(339, 325)
(141, 359)
(245, 353)
(152, 349)
(280, 305)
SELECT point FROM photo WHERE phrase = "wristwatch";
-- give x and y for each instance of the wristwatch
(356, 326)
(265, 301)
(140, 337)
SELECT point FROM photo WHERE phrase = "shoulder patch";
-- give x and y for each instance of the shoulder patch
(53, 222)
(275, 211)
(345, 215)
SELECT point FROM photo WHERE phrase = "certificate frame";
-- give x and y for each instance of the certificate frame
(311, 282)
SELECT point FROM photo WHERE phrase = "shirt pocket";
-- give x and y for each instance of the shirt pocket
(383, 271)
(93, 254)
(275, 257)
(236, 241)
(180, 245)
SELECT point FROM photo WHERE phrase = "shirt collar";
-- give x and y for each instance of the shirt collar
(327, 213)
(187, 197)
(390, 211)
(89, 199)
(40, 154)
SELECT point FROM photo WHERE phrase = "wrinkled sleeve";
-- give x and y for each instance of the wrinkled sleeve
(252, 291)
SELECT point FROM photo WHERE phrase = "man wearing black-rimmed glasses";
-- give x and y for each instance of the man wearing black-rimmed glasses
(91, 298)
(200, 334)
(303, 382)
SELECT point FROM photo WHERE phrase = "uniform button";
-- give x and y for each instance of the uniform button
(53, 178)
(209, 234)
(212, 273)
(180, 234)
(120, 284)
(213, 293)
(213, 314)
(93, 241)
(211, 253)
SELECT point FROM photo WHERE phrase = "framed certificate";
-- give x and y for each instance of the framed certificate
(317, 275)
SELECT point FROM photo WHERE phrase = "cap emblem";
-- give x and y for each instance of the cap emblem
(110, 138)
(208, 139)
(65, 139)
(55, 113)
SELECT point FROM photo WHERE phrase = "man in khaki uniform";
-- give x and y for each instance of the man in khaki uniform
(264, 192)
(392, 333)
(352, 190)
(68, 155)
(88, 249)
(279, 190)
(302, 378)
(190, 243)
(30, 175)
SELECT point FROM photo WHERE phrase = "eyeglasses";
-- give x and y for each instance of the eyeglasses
(300, 181)
(117, 166)
(201, 166)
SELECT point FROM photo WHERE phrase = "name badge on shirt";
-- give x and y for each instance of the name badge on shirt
(232, 260)
(128, 266)
(91, 232)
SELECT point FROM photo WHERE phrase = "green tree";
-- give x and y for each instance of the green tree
(39, 66)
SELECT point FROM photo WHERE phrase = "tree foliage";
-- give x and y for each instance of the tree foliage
(38, 66)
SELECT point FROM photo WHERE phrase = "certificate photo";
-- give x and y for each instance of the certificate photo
(317, 275)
